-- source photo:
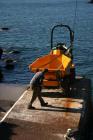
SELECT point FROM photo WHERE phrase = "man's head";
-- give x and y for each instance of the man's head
(45, 70)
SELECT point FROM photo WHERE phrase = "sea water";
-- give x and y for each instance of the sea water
(30, 23)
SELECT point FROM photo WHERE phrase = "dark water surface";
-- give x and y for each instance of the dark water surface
(30, 22)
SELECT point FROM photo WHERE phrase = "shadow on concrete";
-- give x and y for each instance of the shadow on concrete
(23, 130)
(78, 90)
(61, 109)
(2, 110)
(6, 130)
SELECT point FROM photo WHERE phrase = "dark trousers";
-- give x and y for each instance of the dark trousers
(36, 93)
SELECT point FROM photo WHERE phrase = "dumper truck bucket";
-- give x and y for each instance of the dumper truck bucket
(52, 62)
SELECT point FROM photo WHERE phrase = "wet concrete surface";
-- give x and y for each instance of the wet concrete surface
(51, 123)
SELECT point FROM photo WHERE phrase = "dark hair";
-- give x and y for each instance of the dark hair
(37, 70)
(45, 70)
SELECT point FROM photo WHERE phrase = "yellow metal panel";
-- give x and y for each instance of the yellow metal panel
(65, 61)
(56, 52)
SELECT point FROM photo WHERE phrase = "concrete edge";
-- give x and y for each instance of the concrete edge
(8, 112)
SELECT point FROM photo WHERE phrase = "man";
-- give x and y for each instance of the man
(36, 86)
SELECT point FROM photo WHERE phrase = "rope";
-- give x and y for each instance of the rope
(75, 16)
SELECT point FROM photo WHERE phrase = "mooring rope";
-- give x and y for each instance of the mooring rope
(75, 15)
